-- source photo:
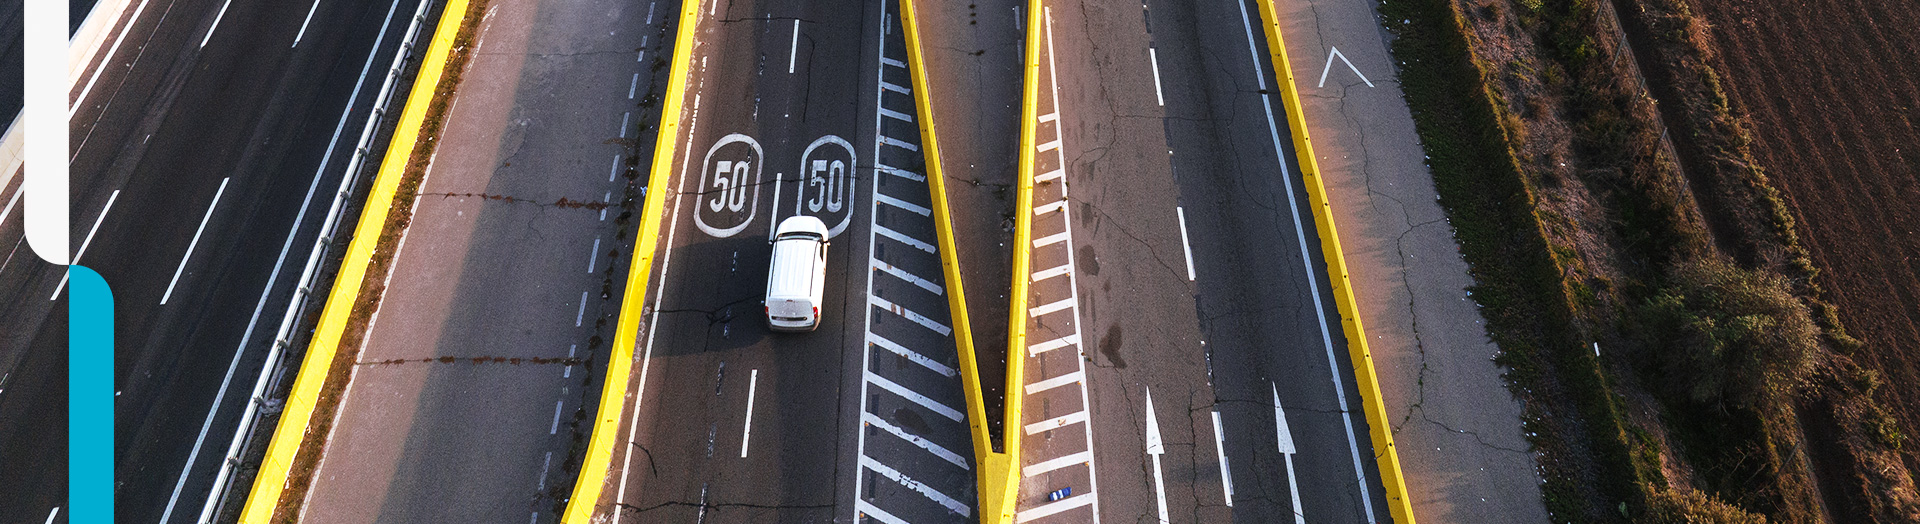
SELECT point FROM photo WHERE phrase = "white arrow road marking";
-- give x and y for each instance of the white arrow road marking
(1156, 448)
(1286, 451)
(1335, 51)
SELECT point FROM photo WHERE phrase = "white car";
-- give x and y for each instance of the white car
(797, 276)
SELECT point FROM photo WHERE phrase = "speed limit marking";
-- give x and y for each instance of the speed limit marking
(729, 195)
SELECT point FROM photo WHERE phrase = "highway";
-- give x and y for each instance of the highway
(1195, 281)
(796, 109)
(194, 134)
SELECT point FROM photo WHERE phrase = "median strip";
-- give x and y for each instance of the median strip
(280, 484)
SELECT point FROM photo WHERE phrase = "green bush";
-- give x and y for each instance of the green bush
(1729, 337)
(1693, 507)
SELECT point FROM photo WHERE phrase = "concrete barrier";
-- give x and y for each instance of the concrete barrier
(613, 395)
(1387, 459)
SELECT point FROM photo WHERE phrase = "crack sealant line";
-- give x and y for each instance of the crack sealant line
(588, 485)
(1386, 458)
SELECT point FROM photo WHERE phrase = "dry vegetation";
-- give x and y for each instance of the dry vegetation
(1727, 393)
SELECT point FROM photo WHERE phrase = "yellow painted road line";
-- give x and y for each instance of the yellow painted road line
(606, 424)
(997, 473)
(1387, 458)
(264, 499)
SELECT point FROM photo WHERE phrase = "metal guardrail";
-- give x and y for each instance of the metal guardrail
(271, 480)
(259, 406)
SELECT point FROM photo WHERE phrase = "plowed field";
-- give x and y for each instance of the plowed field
(1831, 89)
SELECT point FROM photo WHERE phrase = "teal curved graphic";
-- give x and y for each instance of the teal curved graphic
(89, 398)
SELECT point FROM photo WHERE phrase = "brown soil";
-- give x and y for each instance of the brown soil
(1830, 88)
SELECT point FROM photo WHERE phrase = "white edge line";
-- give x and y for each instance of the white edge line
(303, 24)
(1220, 451)
(1154, 57)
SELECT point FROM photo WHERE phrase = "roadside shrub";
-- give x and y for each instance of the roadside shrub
(1729, 337)
(1693, 507)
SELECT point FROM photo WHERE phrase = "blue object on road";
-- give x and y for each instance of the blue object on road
(1059, 494)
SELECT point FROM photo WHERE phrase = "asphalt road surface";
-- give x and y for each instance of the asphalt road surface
(796, 108)
(466, 398)
(1199, 280)
(185, 110)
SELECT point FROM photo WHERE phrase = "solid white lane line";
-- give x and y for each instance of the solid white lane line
(1049, 509)
(1319, 309)
(107, 58)
(746, 433)
(1054, 344)
(935, 449)
(895, 475)
(594, 255)
(633, 86)
(1059, 305)
(1049, 240)
(793, 49)
(1056, 463)
(902, 204)
(195, 242)
(216, 23)
(1050, 175)
(915, 397)
(896, 115)
(303, 24)
(895, 142)
(1050, 273)
(917, 318)
(1055, 382)
(1056, 422)
(1050, 207)
(912, 355)
(582, 314)
(55, 513)
(866, 508)
(556, 418)
(1185, 245)
(1154, 57)
(902, 238)
(1220, 451)
(614, 171)
(87, 242)
(902, 173)
(909, 277)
